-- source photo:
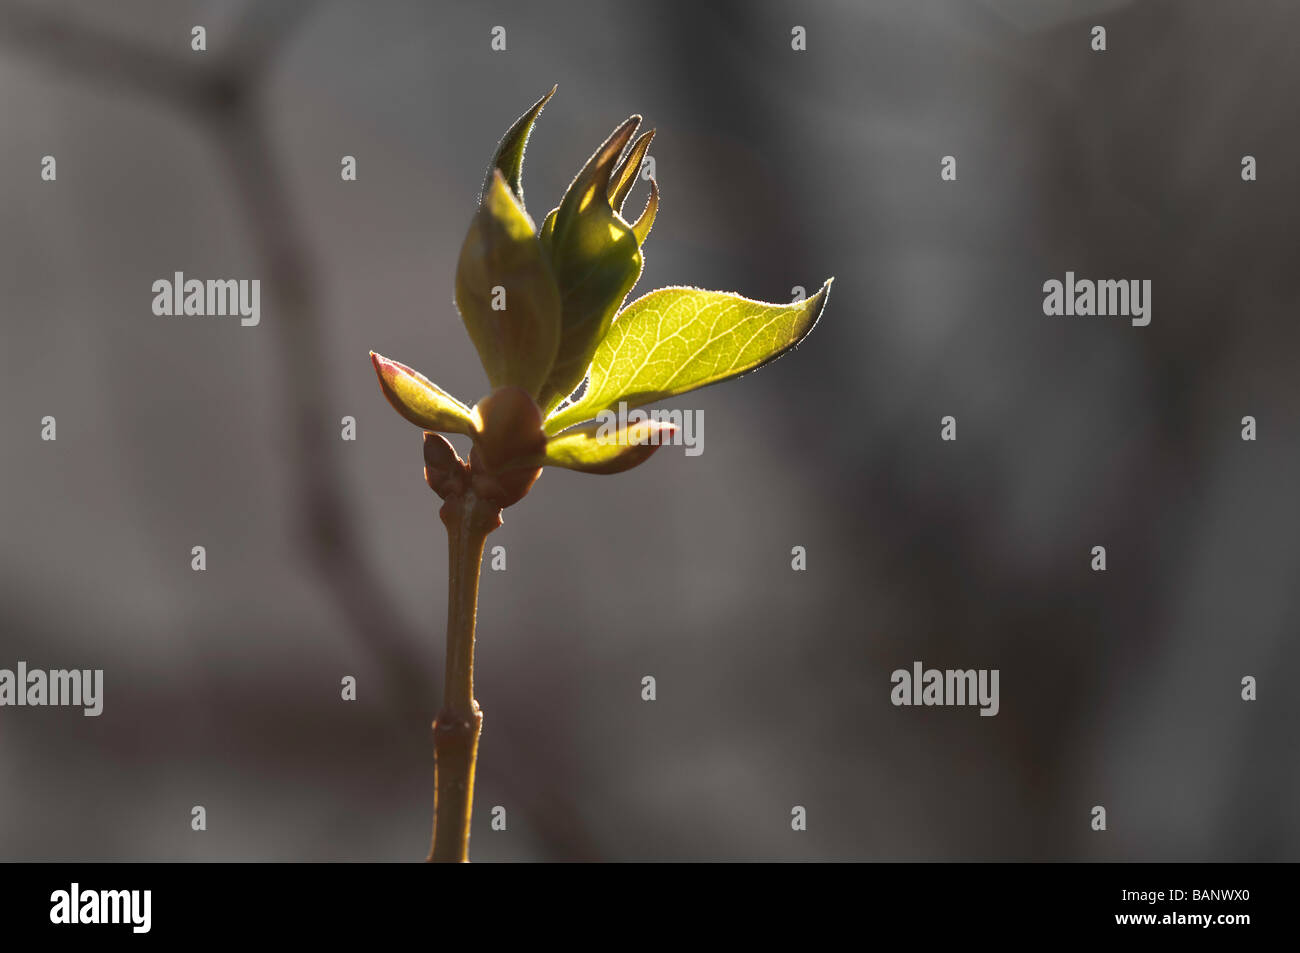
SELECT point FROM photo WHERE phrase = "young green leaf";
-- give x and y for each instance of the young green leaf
(598, 448)
(421, 401)
(548, 228)
(506, 293)
(676, 340)
(641, 227)
(596, 259)
(625, 177)
(593, 180)
(509, 156)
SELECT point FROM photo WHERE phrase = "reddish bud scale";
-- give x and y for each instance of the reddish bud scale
(444, 470)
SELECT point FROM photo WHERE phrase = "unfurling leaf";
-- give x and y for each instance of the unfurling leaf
(421, 401)
(676, 340)
(623, 179)
(641, 227)
(506, 293)
(599, 448)
(596, 260)
(509, 156)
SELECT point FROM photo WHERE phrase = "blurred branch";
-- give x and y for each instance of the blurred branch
(100, 57)
(220, 92)
(263, 31)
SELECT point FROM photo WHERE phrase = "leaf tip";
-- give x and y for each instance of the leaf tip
(666, 431)
(606, 157)
(641, 227)
(625, 173)
(825, 294)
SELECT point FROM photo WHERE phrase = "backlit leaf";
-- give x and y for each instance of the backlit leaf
(596, 260)
(625, 177)
(421, 401)
(641, 227)
(600, 448)
(676, 340)
(509, 156)
(506, 293)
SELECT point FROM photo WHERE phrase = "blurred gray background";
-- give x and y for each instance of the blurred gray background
(778, 169)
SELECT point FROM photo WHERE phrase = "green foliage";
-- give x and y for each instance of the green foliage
(676, 340)
(641, 227)
(506, 293)
(563, 288)
(598, 448)
(597, 260)
(509, 158)
(420, 400)
(625, 177)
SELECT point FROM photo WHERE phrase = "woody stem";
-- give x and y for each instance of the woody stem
(456, 730)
